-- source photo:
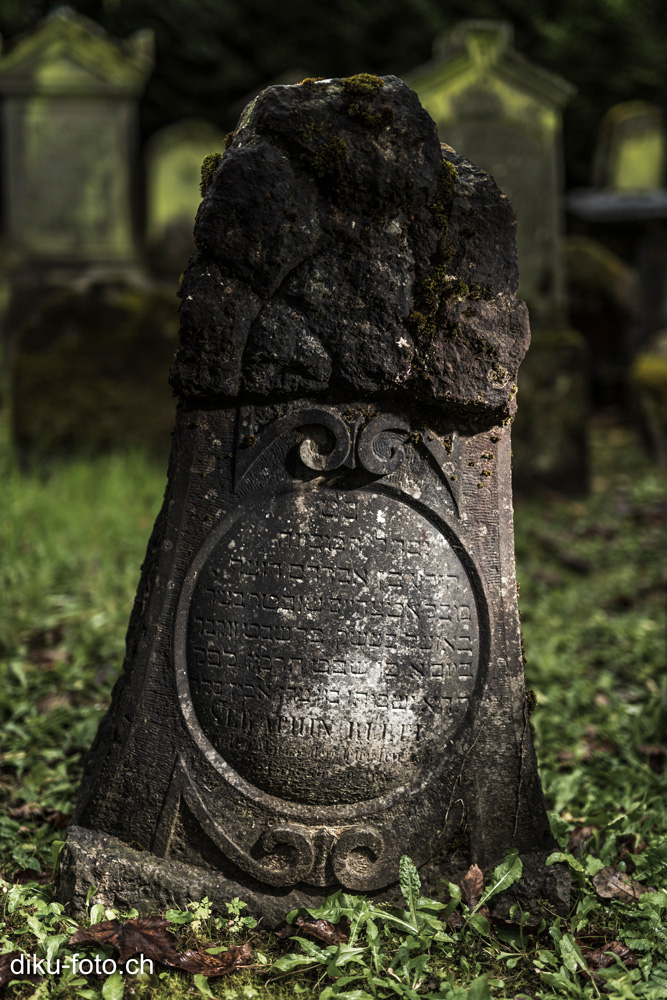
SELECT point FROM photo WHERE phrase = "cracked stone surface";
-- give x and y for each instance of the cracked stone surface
(342, 248)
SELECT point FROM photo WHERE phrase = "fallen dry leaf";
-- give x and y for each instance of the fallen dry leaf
(106, 932)
(580, 838)
(147, 936)
(6, 974)
(203, 964)
(322, 930)
(611, 884)
(472, 886)
(28, 811)
(602, 959)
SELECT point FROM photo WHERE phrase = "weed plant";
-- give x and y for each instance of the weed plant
(592, 597)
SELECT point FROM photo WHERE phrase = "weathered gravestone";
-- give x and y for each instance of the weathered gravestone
(631, 151)
(324, 665)
(69, 121)
(629, 208)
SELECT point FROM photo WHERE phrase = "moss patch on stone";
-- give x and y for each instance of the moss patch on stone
(363, 84)
(361, 91)
(209, 166)
(439, 284)
(330, 157)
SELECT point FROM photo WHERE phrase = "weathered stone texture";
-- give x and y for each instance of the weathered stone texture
(339, 252)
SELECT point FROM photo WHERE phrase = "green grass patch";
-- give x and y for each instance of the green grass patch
(593, 605)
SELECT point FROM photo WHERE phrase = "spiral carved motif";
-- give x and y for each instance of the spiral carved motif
(303, 854)
(350, 859)
(378, 450)
(310, 451)
(358, 856)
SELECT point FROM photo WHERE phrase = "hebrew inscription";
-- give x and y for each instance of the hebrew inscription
(331, 626)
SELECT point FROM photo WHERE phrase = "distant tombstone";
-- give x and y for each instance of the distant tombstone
(174, 157)
(504, 113)
(324, 666)
(627, 204)
(69, 141)
(632, 149)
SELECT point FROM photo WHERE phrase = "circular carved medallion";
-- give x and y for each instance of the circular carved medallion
(332, 644)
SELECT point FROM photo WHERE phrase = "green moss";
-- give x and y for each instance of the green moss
(330, 157)
(363, 84)
(310, 81)
(441, 205)
(373, 121)
(309, 131)
(439, 284)
(229, 138)
(210, 164)
(361, 90)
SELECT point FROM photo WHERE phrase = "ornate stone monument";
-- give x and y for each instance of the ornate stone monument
(324, 666)
(69, 121)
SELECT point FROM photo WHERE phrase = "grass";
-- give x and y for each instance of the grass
(593, 605)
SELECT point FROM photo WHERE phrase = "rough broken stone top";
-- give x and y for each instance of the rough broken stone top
(341, 249)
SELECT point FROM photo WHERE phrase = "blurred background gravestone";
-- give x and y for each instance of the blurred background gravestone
(173, 158)
(494, 106)
(72, 242)
(69, 121)
(625, 211)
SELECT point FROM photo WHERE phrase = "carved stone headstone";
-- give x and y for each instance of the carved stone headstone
(69, 122)
(324, 665)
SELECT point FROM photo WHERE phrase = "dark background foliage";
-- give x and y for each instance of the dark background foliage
(213, 54)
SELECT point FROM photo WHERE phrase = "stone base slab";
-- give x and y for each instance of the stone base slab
(125, 878)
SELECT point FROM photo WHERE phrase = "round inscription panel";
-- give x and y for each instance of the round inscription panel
(332, 645)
